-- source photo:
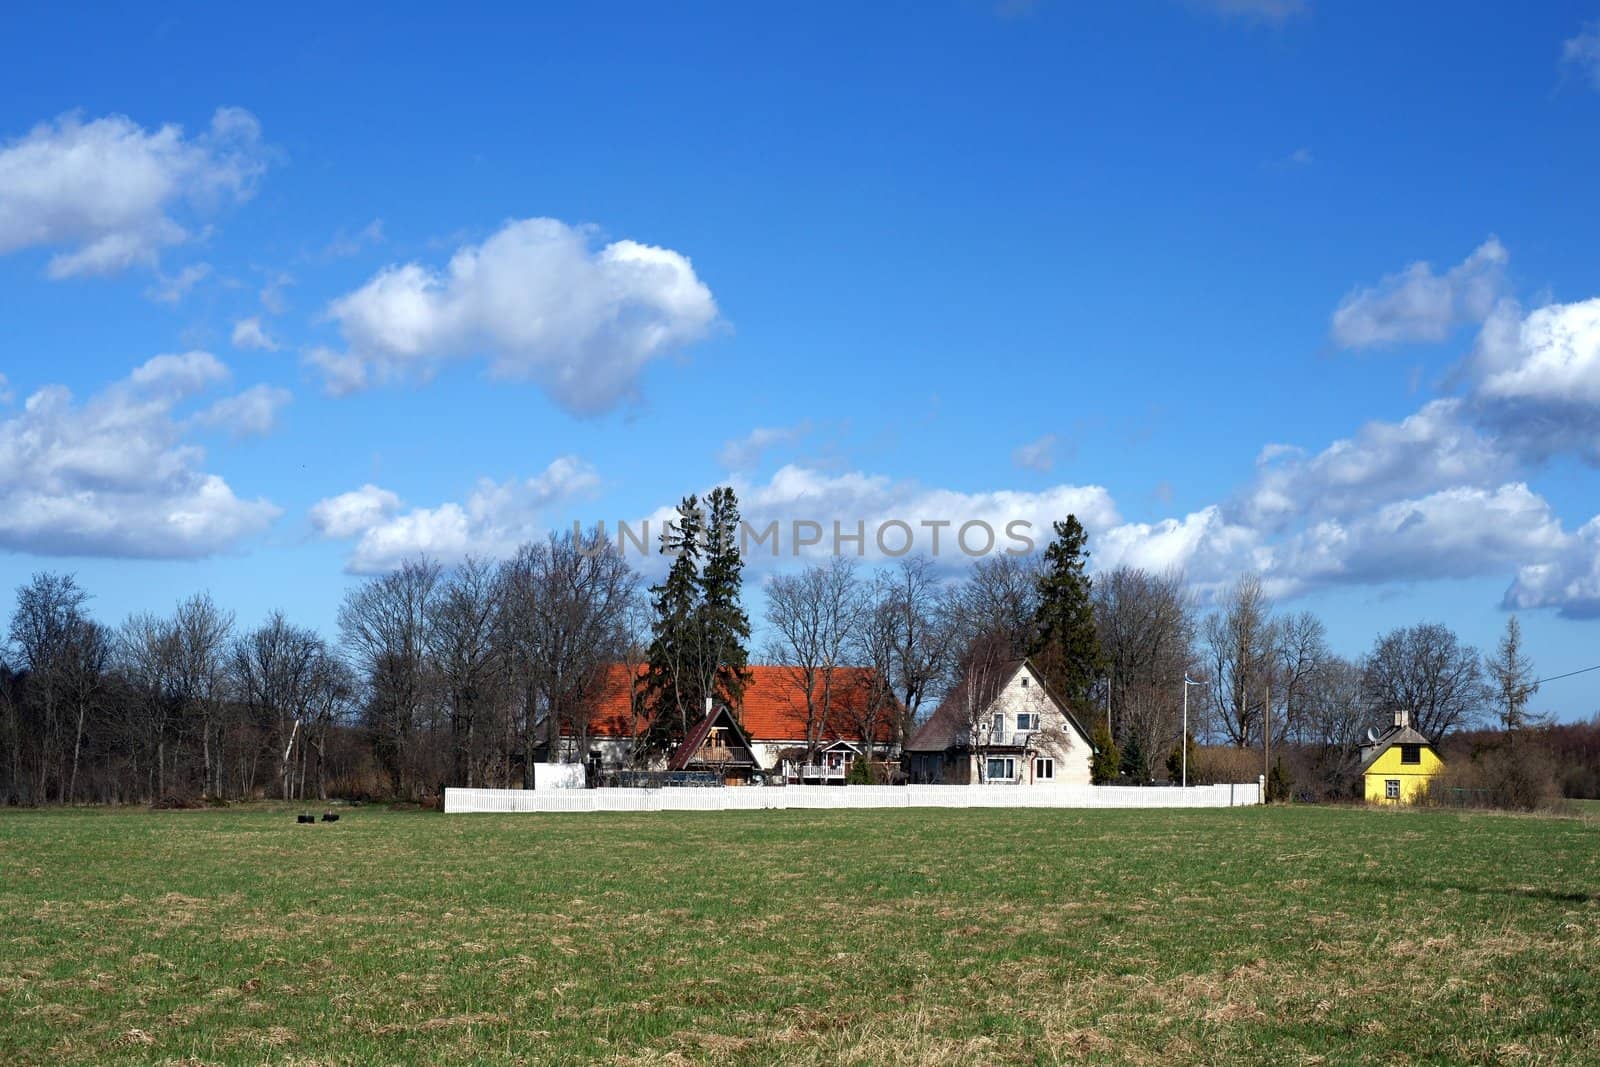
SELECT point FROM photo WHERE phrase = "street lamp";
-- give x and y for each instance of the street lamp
(1183, 742)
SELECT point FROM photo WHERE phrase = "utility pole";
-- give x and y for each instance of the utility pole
(1266, 734)
(1183, 741)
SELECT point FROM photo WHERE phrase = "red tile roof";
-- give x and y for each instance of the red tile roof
(773, 710)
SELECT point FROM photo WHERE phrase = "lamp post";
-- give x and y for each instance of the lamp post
(1183, 742)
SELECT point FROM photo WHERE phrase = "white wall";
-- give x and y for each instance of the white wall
(1072, 752)
(549, 776)
(858, 796)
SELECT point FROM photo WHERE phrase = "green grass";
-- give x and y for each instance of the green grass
(1258, 935)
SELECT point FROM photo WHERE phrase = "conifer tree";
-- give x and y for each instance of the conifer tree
(700, 633)
(1066, 648)
(671, 694)
(1106, 763)
(724, 625)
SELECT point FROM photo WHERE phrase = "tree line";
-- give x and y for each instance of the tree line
(469, 674)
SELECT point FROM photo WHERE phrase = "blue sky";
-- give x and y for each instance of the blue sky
(955, 260)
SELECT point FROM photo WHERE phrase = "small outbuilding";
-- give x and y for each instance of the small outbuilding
(1398, 765)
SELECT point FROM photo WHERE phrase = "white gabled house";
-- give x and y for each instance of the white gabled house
(1005, 730)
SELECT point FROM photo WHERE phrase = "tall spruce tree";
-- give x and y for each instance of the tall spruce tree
(700, 633)
(1066, 647)
(724, 626)
(671, 692)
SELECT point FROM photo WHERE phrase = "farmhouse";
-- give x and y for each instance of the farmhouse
(1001, 727)
(770, 734)
(1398, 765)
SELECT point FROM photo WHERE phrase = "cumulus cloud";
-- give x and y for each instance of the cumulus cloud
(1581, 52)
(252, 413)
(493, 521)
(1038, 455)
(342, 374)
(1419, 305)
(111, 194)
(1454, 533)
(745, 452)
(1535, 379)
(114, 476)
(351, 513)
(539, 302)
(250, 333)
(1433, 449)
(1569, 581)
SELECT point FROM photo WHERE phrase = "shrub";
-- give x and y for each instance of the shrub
(1512, 776)
(860, 773)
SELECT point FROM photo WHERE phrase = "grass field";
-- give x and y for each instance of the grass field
(1258, 935)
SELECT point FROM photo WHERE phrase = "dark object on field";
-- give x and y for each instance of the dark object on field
(306, 818)
(172, 802)
(330, 816)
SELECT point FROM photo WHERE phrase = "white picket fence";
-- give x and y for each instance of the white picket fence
(750, 798)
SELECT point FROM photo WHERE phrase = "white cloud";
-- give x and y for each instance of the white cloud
(250, 333)
(113, 476)
(797, 493)
(1582, 51)
(173, 288)
(539, 303)
(745, 452)
(493, 521)
(272, 297)
(1568, 582)
(341, 374)
(1419, 305)
(179, 376)
(1039, 455)
(111, 194)
(1205, 545)
(1536, 379)
(1435, 448)
(351, 513)
(6, 394)
(1454, 533)
(252, 413)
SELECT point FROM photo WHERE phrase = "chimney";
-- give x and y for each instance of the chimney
(1402, 718)
(708, 705)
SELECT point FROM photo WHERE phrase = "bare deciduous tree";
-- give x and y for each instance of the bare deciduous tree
(1146, 628)
(385, 624)
(815, 615)
(462, 635)
(567, 605)
(1239, 653)
(1426, 670)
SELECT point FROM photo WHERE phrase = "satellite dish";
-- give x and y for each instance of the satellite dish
(1372, 735)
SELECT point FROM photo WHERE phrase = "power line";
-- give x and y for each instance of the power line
(1569, 674)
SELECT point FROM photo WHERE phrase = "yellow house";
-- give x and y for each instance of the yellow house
(1397, 766)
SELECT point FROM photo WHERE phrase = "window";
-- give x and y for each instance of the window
(999, 727)
(1410, 753)
(1002, 769)
(1391, 789)
(1027, 720)
(1024, 683)
(1044, 769)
